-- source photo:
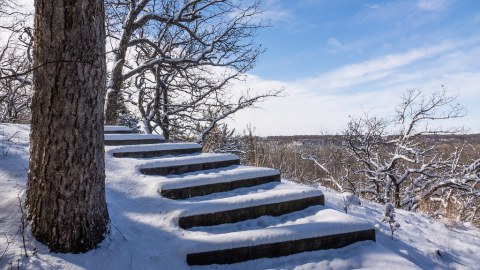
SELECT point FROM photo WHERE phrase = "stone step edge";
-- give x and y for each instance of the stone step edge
(214, 176)
(132, 139)
(278, 249)
(132, 142)
(156, 153)
(240, 214)
(205, 189)
(109, 128)
(188, 167)
(119, 132)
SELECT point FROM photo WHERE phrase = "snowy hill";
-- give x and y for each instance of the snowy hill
(143, 232)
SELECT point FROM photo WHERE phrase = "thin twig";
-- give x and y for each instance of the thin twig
(22, 223)
(119, 231)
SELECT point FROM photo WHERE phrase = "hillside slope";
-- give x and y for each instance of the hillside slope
(143, 234)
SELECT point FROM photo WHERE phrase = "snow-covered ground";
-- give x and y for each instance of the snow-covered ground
(143, 232)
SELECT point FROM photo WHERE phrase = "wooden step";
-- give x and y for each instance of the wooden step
(118, 130)
(158, 150)
(218, 180)
(276, 202)
(132, 139)
(327, 229)
(190, 163)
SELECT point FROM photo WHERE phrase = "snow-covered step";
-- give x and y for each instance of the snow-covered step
(325, 230)
(118, 130)
(130, 139)
(157, 150)
(283, 199)
(213, 181)
(190, 163)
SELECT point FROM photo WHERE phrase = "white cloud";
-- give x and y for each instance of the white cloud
(371, 6)
(275, 15)
(274, 11)
(335, 44)
(313, 105)
(375, 69)
(301, 112)
(433, 5)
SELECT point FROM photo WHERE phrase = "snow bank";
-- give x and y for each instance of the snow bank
(144, 235)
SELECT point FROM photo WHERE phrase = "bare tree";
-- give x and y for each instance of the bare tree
(333, 165)
(396, 153)
(187, 103)
(469, 200)
(224, 140)
(175, 61)
(459, 195)
(66, 185)
(15, 61)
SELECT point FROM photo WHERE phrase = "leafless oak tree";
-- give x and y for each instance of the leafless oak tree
(175, 62)
(396, 153)
(15, 60)
(66, 183)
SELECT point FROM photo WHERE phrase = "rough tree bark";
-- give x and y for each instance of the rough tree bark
(66, 185)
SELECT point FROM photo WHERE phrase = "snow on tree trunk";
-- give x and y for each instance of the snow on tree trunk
(66, 185)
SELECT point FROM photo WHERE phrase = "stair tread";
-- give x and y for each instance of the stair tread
(187, 160)
(262, 216)
(325, 222)
(215, 176)
(281, 192)
(116, 128)
(133, 137)
(259, 222)
(151, 147)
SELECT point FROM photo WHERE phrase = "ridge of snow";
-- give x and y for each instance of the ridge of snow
(325, 222)
(150, 147)
(361, 255)
(230, 174)
(282, 192)
(187, 160)
(122, 137)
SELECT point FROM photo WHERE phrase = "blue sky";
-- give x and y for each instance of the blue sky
(345, 57)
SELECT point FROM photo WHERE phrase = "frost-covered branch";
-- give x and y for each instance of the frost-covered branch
(397, 157)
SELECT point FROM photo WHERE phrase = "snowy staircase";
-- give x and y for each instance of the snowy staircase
(235, 213)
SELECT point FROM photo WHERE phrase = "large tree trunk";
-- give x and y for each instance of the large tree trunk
(66, 185)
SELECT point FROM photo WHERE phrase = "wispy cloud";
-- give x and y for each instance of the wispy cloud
(276, 15)
(433, 5)
(371, 6)
(335, 45)
(375, 69)
(275, 11)
(313, 105)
